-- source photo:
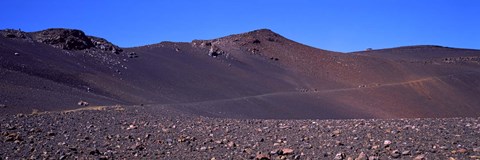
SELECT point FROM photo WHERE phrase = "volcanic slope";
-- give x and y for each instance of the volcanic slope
(258, 74)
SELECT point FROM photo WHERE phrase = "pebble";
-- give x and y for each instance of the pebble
(261, 156)
(419, 157)
(231, 144)
(130, 127)
(462, 150)
(361, 156)
(387, 142)
(339, 156)
(476, 149)
(395, 154)
(285, 151)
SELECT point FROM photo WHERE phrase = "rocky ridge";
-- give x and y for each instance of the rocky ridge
(67, 39)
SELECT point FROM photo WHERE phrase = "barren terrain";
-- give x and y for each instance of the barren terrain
(255, 95)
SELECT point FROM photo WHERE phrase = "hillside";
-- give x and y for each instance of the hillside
(258, 74)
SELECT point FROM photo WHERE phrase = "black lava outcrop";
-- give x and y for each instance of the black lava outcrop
(12, 33)
(66, 39)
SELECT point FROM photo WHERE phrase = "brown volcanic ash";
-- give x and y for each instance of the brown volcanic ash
(258, 74)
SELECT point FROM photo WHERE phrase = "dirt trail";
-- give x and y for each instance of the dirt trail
(209, 102)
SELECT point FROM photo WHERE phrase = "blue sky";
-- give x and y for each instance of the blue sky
(338, 25)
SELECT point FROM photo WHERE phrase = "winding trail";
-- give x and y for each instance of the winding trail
(307, 92)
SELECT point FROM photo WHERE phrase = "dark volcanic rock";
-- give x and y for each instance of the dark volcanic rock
(12, 33)
(68, 39)
(105, 45)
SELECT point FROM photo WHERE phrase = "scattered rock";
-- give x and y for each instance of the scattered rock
(420, 157)
(261, 156)
(231, 144)
(162, 134)
(395, 154)
(12, 137)
(274, 59)
(51, 133)
(285, 151)
(476, 149)
(215, 51)
(336, 133)
(130, 127)
(3, 106)
(248, 150)
(339, 156)
(16, 54)
(95, 152)
(461, 150)
(82, 103)
(102, 44)
(362, 156)
(137, 146)
(339, 143)
(387, 142)
(132, 55)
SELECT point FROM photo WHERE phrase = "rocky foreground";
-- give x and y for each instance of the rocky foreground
(156, 132)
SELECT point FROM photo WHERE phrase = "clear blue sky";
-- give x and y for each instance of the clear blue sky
(338, 25)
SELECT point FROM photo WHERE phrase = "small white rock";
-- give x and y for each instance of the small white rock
(387, 142)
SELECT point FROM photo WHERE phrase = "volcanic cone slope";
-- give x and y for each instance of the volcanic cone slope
(258, 74)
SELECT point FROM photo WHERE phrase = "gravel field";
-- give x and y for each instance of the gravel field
(157, 132)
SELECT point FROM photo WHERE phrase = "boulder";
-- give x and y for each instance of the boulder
(215, 51)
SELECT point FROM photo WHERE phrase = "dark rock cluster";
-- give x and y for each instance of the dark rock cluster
(105, 45)
(212, 45)
(469, 59)
(158, 132)
(250, 42)
(67, 39)
(12, 33)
